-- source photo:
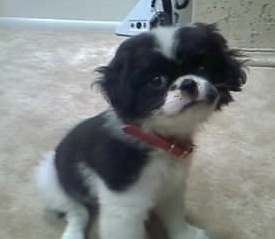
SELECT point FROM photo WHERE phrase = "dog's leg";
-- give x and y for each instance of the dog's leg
(122, 216)
(57, 200)
(121, 222)
(123, 213)
(171, 211)
(77, 218)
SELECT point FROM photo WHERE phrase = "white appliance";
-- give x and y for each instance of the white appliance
(148, 14)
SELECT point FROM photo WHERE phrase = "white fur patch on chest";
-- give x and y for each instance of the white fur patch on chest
(171, 172)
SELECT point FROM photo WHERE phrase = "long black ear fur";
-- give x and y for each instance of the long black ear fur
(113, 82)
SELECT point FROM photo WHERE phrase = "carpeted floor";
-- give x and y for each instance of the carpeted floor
(45, 81)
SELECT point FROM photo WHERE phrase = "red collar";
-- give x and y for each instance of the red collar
(178, 150)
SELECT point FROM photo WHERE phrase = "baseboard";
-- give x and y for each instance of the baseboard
(255, 57)
(259, 57)
(57, 23)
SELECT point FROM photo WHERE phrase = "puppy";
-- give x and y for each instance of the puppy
(134, 157)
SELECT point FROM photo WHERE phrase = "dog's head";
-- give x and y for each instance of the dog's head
(172, 77)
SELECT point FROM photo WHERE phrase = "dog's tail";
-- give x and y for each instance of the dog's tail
(51, 192)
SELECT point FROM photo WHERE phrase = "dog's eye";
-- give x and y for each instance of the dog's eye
(158, 82)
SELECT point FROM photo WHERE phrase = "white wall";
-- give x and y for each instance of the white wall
(100, 10)
(246, 23)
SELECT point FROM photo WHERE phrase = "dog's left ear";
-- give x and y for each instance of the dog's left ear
(235, 75)
(231, 63)
(114, 83)
(231, 67)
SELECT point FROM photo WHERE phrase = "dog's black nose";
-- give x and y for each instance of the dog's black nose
(189, 86)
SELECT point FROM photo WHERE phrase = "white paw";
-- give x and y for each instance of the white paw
(73, 235)
(199, 234)
(191, 233)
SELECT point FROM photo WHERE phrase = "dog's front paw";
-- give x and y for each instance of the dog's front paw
(199, 234)
(73, 235)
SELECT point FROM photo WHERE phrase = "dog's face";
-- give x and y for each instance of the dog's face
(172, 76)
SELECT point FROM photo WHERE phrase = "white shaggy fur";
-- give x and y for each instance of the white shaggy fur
(122, 214)
(160, 185)
(165, 39)
(52, 193)
(56, 199)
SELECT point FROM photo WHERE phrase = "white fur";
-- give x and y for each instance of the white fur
(170, 204)
(122, 214)
(166, 40)
(201, 84)
(51, 191)
(89, 178)
(160, 185)
(56, 199)
(170, 119)
(176, 99)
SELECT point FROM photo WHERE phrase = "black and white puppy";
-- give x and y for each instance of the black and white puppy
(162, 85)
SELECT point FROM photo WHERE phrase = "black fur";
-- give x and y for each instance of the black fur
(118, 163)
(204, 47)
(135, 62)
(198, 50)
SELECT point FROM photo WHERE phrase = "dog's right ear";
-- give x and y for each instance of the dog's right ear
(118, 78)
(115, 84)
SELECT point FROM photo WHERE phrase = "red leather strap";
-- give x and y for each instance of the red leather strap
(158, 141)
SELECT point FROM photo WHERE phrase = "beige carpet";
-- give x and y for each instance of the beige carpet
(44, 90)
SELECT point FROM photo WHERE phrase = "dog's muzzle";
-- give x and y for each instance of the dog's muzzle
(190, 87)
(198, 89)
